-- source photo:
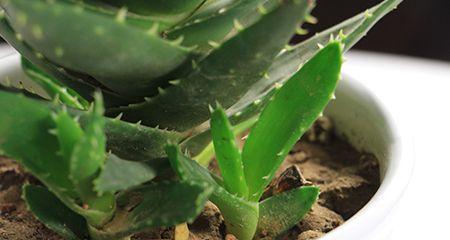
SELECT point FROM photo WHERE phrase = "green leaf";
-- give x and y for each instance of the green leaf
(129, 66)
(54, 214)
(219, 26)
(53, 88)
(236, 65)
(155, 205)
(227, 153)
(86, 90)
(281, 212)
(241, 216)
(288, 62)
(88, 157)
(25, 137)
(288, 115)
(119, 174)
(168, 12)
(88, 154)
(139, 143)
(69, 133)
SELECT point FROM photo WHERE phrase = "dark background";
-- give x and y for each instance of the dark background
(417, 28)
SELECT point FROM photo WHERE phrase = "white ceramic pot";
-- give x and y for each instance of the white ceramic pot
(365, 121)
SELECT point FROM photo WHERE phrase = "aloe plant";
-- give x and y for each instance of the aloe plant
(158, 66)
(89, 191)
(290, 112)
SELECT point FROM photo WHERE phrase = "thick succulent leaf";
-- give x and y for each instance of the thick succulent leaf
(119, 174)
(240, 215)
(25, 137)
(155, 205)
(88, 153)
(227, 153)
(53, 88)
(87, 158)
(129, 66)
(130, 18)
(288, 115)
(84, 89)
(167, 12)
(235, 66)
(281, 212)
(211, 7)
(48, 209)
(138, 143)
(217, 27)
(289, 61)
(69, 133)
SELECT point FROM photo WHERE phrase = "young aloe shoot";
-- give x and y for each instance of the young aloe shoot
(90, 193)
(289, 113)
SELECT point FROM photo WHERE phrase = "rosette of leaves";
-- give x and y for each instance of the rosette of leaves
(159, 65)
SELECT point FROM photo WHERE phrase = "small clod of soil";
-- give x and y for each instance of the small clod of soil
(347, 179)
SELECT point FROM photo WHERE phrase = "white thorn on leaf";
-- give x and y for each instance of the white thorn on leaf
(214, 44)
(261, 9)
(121, 15)
(278, 85)
(211, 109)
(301, 31)
(238, 25)
(175, 82)
(118, 117)
(154, 29)
(161, 91)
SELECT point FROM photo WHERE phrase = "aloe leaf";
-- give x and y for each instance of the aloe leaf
(52, 88)
(84, 89)
(139, 143)
(130, 18)
(25, 137)
(227, 153)
(211, 7)
(281, 212)
(219, 26)
(240, 215)
(69, 133)
(54, 214)
(288, 115)
(155, 205)
(353, 29)
(87, 158)
(128, 67)
(236, 65)
(88, 154)
(168, 12)
(119, 174)
(289, 61)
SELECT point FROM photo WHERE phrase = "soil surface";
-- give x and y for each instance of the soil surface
(347, 180)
